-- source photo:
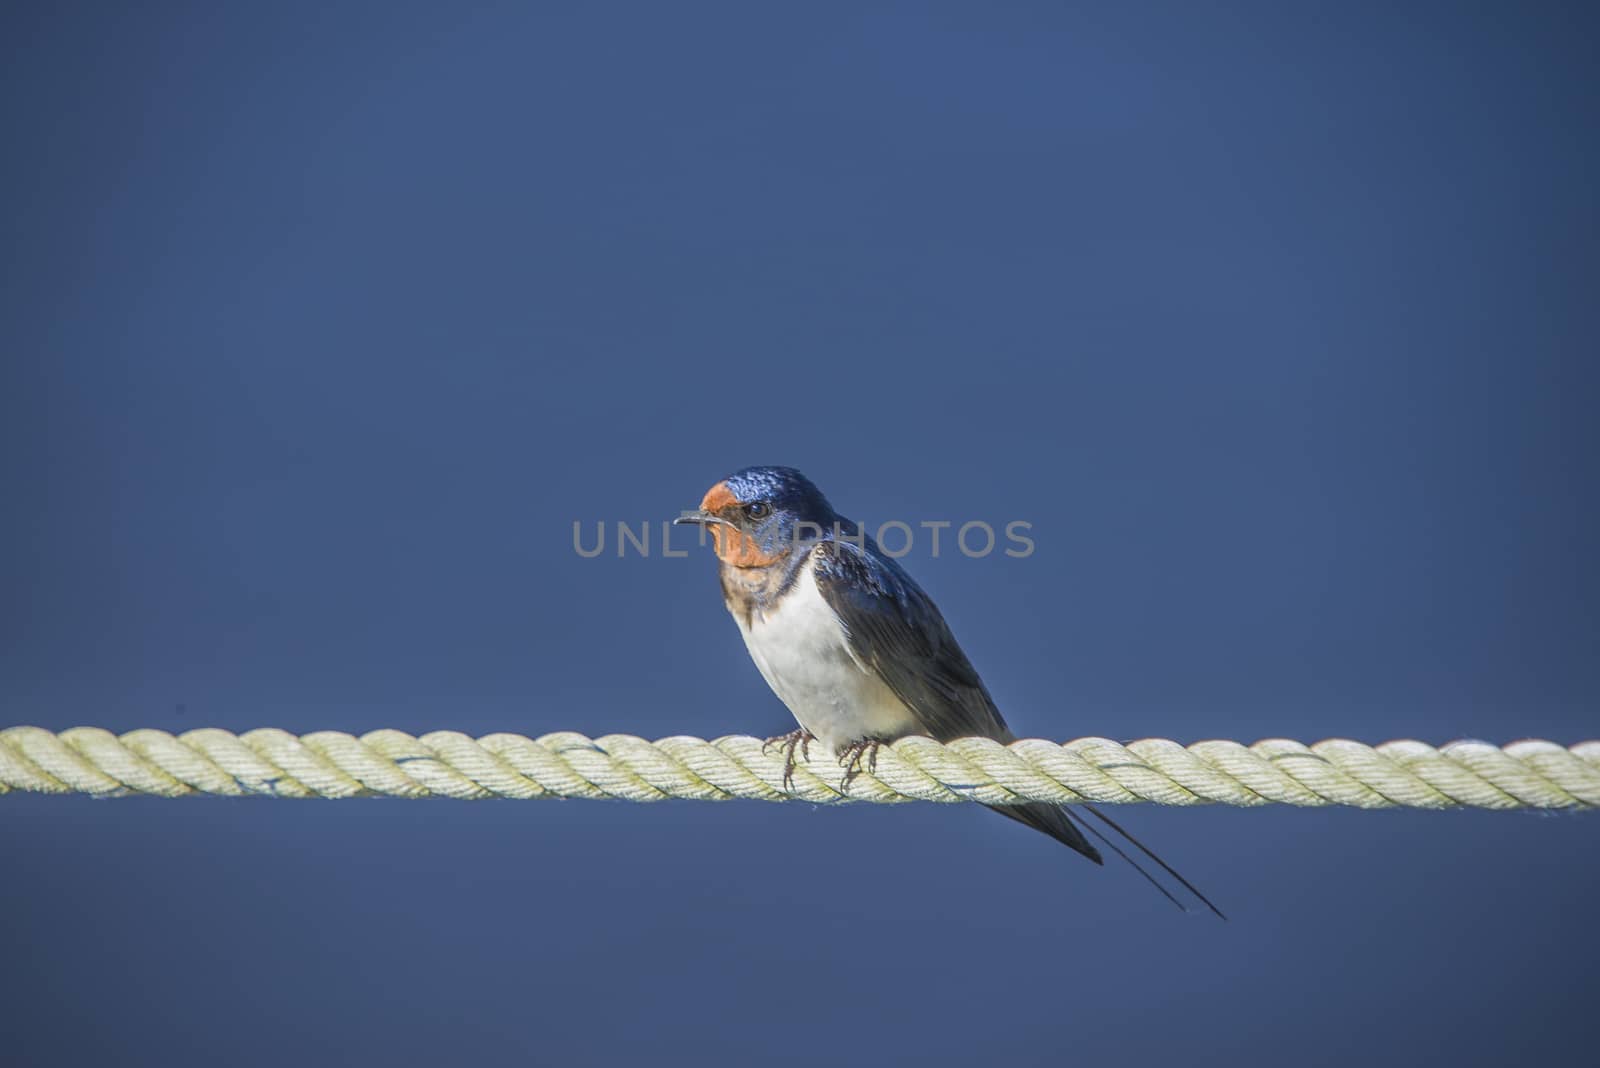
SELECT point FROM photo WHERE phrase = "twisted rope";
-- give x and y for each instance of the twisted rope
(275, 763)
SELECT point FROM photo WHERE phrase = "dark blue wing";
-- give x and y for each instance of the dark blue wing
(897, 632)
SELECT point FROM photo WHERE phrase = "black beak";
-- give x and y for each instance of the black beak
(699, 518)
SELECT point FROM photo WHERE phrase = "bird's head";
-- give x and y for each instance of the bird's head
(758, 515)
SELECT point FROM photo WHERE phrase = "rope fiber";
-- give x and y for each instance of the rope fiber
(389, 763)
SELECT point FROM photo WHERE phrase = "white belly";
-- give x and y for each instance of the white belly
(801, 650)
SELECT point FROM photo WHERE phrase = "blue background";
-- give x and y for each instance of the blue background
(323, 323)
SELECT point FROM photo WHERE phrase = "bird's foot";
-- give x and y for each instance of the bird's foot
(858, 756)
(786, 744)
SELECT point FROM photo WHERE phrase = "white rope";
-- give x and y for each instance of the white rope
(275, 763)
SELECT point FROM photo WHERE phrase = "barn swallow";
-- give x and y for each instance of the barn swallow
(853, 646)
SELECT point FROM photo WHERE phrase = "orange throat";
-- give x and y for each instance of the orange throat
(738, 549)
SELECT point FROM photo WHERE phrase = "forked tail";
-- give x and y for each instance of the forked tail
(1062, 823)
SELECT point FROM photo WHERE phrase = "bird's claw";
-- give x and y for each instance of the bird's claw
(859, 756)
(786, 744)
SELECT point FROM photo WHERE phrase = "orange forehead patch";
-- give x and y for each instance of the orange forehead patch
(717, 498)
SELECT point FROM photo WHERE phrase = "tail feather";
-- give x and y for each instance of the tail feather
(1141, 847)
(1062, 824)
(1051, 820)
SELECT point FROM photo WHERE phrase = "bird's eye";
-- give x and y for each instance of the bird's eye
(758, 510)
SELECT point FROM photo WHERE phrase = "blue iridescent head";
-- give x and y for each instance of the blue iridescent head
(759, 514)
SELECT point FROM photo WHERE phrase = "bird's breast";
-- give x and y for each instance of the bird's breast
(803, 652)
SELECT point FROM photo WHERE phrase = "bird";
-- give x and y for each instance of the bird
(856, 649)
